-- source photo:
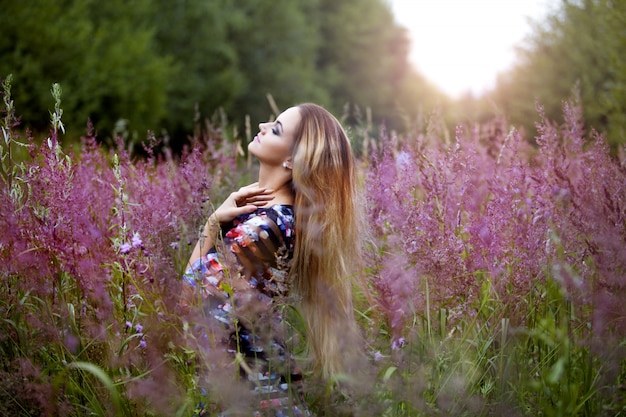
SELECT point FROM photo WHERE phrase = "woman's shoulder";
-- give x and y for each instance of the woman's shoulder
(281, 214)
(275, 222)
(282, 209)
(272, 211)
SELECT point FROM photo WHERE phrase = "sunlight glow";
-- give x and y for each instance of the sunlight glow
(462, 45)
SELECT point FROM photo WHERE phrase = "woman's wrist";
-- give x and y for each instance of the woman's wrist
(212, 225)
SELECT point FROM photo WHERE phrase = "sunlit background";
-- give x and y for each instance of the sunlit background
(461, 45)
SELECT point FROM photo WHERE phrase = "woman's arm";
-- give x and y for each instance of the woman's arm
(207, 240)
(245, 200)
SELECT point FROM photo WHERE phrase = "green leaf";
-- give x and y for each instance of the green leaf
(102, 376)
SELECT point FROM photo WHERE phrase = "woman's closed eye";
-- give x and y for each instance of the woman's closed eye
(278, 128)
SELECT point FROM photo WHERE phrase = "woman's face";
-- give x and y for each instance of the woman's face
(274, 142)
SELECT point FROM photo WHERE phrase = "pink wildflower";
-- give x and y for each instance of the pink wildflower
(136, 241)
(125, 248)
(398, 343)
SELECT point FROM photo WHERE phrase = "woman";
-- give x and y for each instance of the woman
(292, 232)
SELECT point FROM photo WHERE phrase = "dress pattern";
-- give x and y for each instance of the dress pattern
(237, 284)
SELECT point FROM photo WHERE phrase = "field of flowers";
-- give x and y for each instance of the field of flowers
(495, 272)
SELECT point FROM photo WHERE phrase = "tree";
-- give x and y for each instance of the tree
(362, 55)
(207, 73)
(100, 53)
(276, 44)
(159, 63)
(582, 45)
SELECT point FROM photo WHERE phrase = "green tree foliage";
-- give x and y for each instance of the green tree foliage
(364, 59)
(160, 63)
(206, 64)
(100, 52)
(583, 46)
(277, 42)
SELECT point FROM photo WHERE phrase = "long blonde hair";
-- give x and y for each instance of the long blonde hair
(327, 252)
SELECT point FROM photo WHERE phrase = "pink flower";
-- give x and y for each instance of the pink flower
(136, 241)
(398, 343)
(125, 248)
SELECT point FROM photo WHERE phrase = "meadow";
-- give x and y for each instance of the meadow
(495, 273)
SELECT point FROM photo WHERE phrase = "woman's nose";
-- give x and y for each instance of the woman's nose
(262, 127)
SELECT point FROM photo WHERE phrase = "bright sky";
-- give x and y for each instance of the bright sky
(461, 45)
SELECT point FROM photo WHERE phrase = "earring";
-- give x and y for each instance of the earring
(285, 165)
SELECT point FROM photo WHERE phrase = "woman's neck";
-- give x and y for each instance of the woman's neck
(277, 179)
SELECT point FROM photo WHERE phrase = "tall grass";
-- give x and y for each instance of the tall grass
(496, 276)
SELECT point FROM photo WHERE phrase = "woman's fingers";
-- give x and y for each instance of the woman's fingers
(260, 197)
(258, 200)
(252, 194)
(253, 189)
(245, 200)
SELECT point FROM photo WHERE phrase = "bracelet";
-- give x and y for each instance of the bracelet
(213, 222)
(211, 230)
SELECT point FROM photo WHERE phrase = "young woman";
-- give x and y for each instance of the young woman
(294, 232)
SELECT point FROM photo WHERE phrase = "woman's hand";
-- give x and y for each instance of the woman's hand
(245, 200)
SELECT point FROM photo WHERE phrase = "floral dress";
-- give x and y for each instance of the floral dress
(238, 286)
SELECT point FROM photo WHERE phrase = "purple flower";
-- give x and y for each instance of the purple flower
(142, 343)
(138, 328)
(136, 241)
(398, 343)
(128, 324)
(72, 343)
(125, 248)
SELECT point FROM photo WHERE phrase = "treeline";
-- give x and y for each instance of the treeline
(163, 65)
(160, 64)
(580, 46)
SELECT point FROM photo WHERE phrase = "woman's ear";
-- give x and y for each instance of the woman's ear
(288, 164)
